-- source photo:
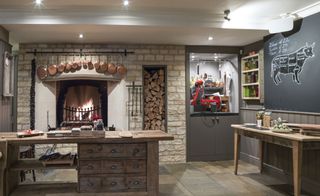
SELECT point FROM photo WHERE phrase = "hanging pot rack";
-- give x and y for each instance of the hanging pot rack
(80, 52)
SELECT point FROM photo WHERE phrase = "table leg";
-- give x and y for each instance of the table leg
(236, 151)
(297, 162)
(261, 154)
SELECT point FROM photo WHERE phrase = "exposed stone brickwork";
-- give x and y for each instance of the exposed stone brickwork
(171, 56)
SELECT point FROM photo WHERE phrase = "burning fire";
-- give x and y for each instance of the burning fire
(85, 111)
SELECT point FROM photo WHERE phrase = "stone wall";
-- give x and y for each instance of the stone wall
(173, 57)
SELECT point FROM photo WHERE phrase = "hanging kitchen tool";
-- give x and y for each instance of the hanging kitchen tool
(62, 65)
(79, 67)
(103, 66)
(90, 64)
(68, 65)
(112, 69)
(52, 68)
(85, 62)
(42, 72)
(121, 69)
(132, 100)
(97, 64)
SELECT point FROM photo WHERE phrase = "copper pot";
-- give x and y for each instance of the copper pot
(61, 67)
(121, 69)
(112, 69)
(42, 72)
(52, 70)
(103, 67)
(90, 65)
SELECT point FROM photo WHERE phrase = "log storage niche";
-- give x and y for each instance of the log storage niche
(154, 85)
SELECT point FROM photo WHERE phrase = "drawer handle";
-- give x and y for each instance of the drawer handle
(113, 151)
(99, 147)
(136, 182)
(90, 183)
(135, 151)
(90, 167)
(113, 183)
(113, 167)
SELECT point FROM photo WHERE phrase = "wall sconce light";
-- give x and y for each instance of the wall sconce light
(226, 15)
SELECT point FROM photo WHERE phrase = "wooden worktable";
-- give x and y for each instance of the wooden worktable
(296, 141)
(111, 164)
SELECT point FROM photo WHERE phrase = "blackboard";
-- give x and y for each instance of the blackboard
(292, 69)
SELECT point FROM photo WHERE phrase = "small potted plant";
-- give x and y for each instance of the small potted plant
(259, 117)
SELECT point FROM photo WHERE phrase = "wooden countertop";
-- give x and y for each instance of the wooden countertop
(110, 136)
(290, 136)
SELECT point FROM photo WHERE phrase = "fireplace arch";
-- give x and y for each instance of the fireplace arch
(65, 86)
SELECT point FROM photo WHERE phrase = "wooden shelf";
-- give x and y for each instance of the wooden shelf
(250, 70)
(252, 76)
(251, 56)
(251, 98)
(36, 164)
(251, 84)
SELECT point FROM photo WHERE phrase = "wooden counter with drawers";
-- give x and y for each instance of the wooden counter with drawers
(112, 164)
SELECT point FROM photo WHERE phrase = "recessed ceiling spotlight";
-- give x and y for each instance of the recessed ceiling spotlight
(192, 57)
(80, 35)
(125, 2)
(210, 38)
(38, 2)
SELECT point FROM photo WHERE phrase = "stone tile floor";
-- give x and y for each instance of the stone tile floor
(195, 179)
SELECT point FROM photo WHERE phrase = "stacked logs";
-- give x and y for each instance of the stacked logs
(154, 100)
(66, 67)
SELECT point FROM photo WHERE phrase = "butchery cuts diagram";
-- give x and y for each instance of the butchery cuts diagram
(288, 63)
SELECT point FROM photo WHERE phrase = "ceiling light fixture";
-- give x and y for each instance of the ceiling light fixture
(226, 15)
(38, 2)
(210, 38)
(125, 2)
(81, 36)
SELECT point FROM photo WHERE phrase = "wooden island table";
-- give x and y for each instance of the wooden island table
(296, 141)
(113, 164)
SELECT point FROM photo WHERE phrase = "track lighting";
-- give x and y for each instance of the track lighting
(226, 15)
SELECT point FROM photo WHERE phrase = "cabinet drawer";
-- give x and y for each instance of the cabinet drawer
(136, 150)
(101, 150)
(113, 167)
(136, 166)
(114, 184)
(137, 182)
(89, 167)
(90, 184)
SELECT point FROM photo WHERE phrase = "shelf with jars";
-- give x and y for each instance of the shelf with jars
(250, 76)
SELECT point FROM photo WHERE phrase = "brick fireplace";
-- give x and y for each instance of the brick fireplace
(47, 93)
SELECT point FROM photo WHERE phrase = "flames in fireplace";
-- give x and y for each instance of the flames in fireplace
(85, 111)
(82, 103)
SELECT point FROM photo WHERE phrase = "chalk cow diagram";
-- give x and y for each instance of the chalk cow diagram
(291, 63)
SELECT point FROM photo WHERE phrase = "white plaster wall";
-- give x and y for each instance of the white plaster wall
(232, 69)
(45, 100)
(117, 99)
(211, 68)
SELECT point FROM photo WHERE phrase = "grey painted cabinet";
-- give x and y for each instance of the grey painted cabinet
(210, 138)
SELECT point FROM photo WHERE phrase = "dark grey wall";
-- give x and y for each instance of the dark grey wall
(287, 52)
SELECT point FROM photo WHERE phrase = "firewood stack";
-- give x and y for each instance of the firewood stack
(154, 99)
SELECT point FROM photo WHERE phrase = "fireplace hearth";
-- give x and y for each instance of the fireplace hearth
(79, 101)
